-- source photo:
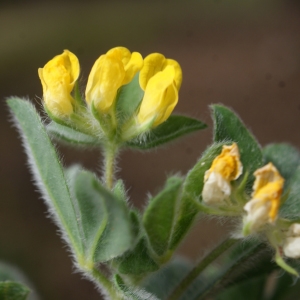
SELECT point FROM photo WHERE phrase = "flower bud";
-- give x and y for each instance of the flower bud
(58, 78)
(225, 168)
(112, 70)
(161, 79)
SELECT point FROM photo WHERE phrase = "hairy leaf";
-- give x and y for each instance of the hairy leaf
(159, 216)
(174, 127)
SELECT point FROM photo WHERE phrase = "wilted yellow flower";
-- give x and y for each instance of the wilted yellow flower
(291, 246)
(112, 70)
(161, 79)
(265, 202)
(225, 168)
(58, 78)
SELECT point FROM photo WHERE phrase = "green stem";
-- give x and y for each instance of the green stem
(195, 272)
(109, 167)
(105, 283)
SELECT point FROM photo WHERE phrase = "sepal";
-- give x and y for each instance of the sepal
(71, 136)
(128, 100)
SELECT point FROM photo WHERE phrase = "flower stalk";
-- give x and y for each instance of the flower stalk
(196, 271)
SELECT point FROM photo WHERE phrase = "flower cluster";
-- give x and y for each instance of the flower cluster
(159, 79)
(260, 212)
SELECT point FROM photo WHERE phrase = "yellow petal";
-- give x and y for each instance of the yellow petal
(112, 70)
(120, 53)
(105, 79)
(227, 164)
(132, 67)
(58, 78)
(268, 187)
(161, 96)
(178, 71)
(153, 64)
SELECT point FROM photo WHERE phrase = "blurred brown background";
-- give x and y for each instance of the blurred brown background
(244, 54)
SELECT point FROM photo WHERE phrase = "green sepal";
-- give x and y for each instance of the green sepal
(104, 218)
(160, 214)
(77, 96)
(47, 171)
(71, 136)
(10, 290)
(105, 120)
(128, 100)
(130, 293)
(137, 261)
(173, 128)
(229, 128)
(192, 190)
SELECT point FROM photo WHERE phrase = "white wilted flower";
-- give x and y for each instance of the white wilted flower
(265, 202)
(291, 246)
(225, 168)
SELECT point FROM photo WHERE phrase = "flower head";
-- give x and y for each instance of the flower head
(58, 78)
(161, 79)
(265, 202)
(225, 168)
(112, 70)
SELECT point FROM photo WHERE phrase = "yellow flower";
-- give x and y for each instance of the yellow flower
(58, 78)
(112, 70)
(265, 202)
(161, 79)
(225, 168)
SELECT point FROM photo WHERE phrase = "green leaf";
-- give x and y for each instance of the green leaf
(251, 289)
(10, 290)
(174, 127)
(285, 157)
(234, 268)
(131, 293)
(71, 136)
(228, 127)
(104, 218)
(128, 99)
(192, 189)
(159, 216)
(47, 170)
(162, 282)
(138, 260)
(285, 288)
(120, 190)
(13, 280)
(291, 207)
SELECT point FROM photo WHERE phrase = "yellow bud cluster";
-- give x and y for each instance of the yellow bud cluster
(160, 78)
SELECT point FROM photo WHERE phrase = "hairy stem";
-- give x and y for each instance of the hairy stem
(109, 166)
(105, 283)
(195, 272)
